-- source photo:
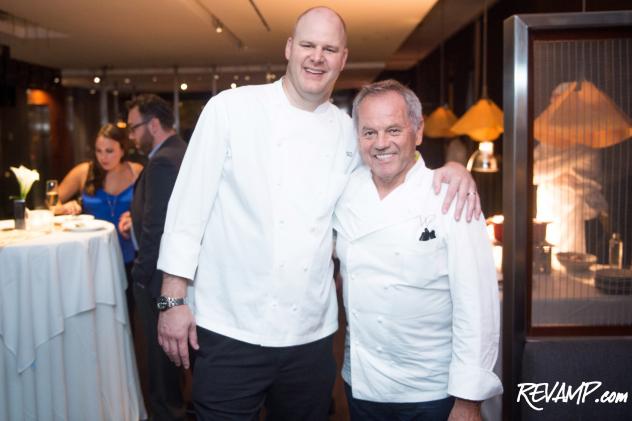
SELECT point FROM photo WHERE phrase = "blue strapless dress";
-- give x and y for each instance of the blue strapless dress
(109, 208)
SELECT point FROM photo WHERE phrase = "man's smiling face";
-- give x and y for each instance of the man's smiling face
(316, 55)
(387, 138)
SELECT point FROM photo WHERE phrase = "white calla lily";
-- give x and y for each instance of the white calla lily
(26, 178)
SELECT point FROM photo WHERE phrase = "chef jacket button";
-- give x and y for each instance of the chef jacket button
(379, 319)
(396, 253)
(379, 349)
(274, 305)
(305, 269)
(294, 308)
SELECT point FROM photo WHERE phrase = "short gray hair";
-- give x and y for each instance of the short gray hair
(413, 105)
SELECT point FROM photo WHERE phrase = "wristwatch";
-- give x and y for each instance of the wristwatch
(165, 303)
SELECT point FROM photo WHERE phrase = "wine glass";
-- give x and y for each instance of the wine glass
(52, 198)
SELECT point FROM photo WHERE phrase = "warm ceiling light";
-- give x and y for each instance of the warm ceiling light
(483, 160)
(482, 122)
(236, 77)
(127, 81)
(438, 124)
(115, 92)
(96, 79)
(233, 85)
(247, 78)
(580, 113)
(154, 79)
(93, 91)
(216, 76)
(184, 86)
(56, 80)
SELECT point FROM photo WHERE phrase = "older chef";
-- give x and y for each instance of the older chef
(420, 288)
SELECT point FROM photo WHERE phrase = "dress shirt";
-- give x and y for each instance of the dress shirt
(423, 316)
(250, 217)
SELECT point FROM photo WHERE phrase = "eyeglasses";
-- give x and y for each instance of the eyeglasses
(132, 127)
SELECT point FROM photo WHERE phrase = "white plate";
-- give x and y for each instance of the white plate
(83, 226)
(60, 219)
(7, 224)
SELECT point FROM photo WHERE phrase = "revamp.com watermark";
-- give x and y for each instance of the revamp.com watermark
(536, 394)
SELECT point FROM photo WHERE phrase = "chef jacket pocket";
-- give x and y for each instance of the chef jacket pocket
(423, 262)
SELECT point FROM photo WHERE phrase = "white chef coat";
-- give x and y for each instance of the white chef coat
(250, 217)
(423, 316)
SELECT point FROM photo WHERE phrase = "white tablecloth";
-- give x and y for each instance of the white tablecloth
(66, 351)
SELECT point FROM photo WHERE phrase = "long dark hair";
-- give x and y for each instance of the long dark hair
(96, 174)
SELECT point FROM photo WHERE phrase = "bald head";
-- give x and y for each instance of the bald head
(316, 53)
(320, 12)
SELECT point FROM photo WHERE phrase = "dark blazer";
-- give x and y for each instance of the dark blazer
(149, 209)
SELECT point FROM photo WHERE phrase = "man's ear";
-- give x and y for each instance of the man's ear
(420, 134)
(288, 48)
(153, 125)
(345, 53)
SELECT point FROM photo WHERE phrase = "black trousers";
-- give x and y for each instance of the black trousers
(165, 379)
(361, 410)
(234, 380)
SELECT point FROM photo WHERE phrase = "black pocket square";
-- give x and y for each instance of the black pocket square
(427, 235)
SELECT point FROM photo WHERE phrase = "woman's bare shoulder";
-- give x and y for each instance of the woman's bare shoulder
(136, 168)
(80, 171)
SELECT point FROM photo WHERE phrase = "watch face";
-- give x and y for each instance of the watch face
(162, 303)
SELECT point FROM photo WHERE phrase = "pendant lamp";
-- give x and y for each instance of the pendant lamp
(483, 122)
(580, 113)
(438, 124)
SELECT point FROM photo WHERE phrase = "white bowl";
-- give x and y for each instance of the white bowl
(576, 262)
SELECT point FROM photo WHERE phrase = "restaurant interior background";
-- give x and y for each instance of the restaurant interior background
(51, 104)
(51, 110)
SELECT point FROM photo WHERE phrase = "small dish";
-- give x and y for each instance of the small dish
(60, 219)
(576, 262)
(614, 281)
(83, 225)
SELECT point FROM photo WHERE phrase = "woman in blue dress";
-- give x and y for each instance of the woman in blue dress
(105, 185)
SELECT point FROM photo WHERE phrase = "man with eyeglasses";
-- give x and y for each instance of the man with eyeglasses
(150, 124)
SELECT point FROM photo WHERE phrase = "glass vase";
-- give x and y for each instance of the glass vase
(19, 214)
